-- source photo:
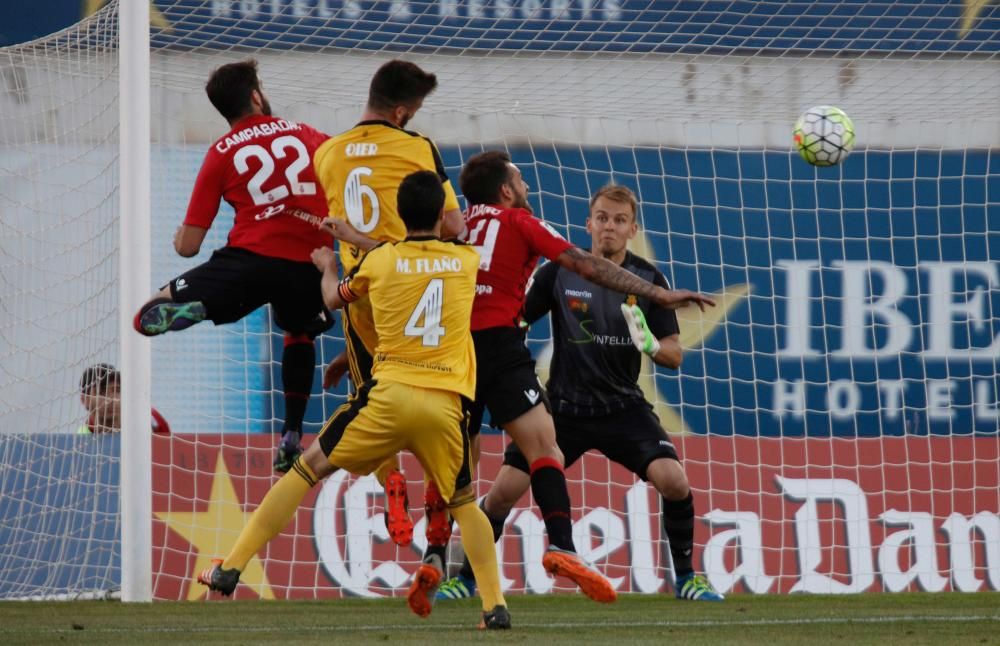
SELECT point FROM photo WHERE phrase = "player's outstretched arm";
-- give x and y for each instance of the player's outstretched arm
(326, 261)
(605, 273)
(342, 230)
(188, 239)
(674, 299)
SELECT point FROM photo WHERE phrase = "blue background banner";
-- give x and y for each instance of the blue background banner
(810, 352)
(59, 526)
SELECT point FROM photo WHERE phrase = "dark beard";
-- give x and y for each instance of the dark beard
(265, 106)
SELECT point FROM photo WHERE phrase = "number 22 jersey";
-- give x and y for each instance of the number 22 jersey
(361, 170)
(263, 168)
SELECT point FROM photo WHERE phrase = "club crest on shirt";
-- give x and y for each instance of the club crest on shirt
(631, 299)
(578, 305)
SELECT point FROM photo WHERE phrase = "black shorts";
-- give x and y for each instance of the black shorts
(235, 282)
(633, 438)
(506, 382)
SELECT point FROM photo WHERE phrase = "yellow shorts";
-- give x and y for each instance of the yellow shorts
(387, 417)
(360, 339)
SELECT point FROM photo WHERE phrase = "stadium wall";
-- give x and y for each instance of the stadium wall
(699, 101)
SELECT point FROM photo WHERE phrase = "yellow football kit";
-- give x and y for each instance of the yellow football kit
(360, 171)
(421, 292)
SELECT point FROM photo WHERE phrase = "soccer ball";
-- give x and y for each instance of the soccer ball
(824, 135)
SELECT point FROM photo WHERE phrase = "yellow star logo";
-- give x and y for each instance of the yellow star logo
(156, 17)
(696, 327)
(970, 12)
(213, 531)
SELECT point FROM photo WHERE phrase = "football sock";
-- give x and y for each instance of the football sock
(548, 486)
(441, 552)
(298, 365)
(481, 552)
(678, 525)
(497, 525)
(273, 514)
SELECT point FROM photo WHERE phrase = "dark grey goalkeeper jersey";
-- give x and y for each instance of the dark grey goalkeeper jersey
(595, 367)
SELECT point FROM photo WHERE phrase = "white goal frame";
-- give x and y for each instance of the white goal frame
(134, 270)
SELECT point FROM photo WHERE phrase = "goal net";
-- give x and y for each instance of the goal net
(836, 413)
(58, 309)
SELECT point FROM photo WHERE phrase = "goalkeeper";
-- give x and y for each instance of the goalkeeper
(600, 336)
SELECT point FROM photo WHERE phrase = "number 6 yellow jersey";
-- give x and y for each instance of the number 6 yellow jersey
(421, 292)
(361, 170)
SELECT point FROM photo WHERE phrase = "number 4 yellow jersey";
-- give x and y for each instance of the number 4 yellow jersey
(361, 170)
(421, 292)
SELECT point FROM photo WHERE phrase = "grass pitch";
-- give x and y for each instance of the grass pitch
(948, 618)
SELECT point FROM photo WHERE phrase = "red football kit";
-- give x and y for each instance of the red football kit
(263, 169)
(509, 242)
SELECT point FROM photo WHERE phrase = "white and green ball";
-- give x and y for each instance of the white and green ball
(824, 135)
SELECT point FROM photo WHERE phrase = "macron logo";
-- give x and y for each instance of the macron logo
(532, 395)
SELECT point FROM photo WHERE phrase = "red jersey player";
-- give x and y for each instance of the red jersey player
(510, 241)
(263, 168)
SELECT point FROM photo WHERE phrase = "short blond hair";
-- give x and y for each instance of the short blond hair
(617, 193)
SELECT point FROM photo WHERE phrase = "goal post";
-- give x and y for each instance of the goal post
(837, 413)
(134, 279)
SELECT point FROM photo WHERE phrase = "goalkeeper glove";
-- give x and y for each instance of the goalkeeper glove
(642, 338)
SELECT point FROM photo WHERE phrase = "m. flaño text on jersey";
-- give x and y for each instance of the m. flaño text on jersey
(427, 265)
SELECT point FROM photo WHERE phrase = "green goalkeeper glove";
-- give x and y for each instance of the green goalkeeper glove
(637, 327)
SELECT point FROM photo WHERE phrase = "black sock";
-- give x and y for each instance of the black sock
(298, 363)
(548, 486)
(678, 525)
(441, 553)
(497, 525)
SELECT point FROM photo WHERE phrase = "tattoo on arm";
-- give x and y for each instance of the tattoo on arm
(605, 273)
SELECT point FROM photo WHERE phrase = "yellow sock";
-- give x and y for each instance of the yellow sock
(274, 512)
(387, 467)
(477, 539)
